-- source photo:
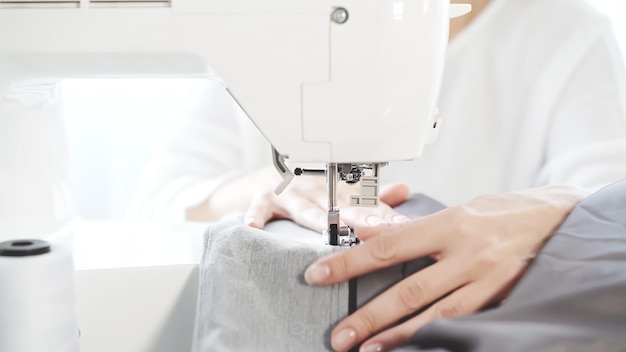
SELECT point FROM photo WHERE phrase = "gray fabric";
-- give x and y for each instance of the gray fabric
(251, 292)
(252, 296)
(572, 298)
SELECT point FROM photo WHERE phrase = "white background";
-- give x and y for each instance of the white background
(114, 125)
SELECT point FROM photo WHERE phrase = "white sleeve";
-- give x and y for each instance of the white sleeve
(586, 145)
(202, 153)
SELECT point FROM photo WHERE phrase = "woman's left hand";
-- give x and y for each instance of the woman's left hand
(482, 248)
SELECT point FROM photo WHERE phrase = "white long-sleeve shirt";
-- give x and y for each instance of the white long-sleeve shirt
(534, 93)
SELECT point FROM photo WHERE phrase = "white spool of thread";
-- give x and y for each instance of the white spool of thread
(37, 308)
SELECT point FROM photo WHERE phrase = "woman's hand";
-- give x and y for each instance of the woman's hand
(482, 248)
(305, 201)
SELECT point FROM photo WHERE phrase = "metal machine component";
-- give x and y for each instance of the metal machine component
(311, 172)
(368, 195)
(339, 15)
(283, 170)
(336, 234)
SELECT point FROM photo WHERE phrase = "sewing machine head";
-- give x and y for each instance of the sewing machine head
(378, 103)
(352, 86)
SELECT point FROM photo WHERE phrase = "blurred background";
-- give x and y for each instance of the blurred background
(130, 118)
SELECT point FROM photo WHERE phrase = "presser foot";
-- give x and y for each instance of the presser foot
(342, 236)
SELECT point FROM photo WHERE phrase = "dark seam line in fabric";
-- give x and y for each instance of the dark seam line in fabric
(352, 303)
(352, 288)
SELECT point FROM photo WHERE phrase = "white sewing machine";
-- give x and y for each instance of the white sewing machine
(324, 81)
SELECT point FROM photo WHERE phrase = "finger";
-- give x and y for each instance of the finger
(367, 232)
(308, 214)
(261, 210)
(394, 194)
(419, 238)
(466, 300)
(401, 300)
(358, 218)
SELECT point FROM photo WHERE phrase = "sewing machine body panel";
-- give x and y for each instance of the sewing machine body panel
(320, 91)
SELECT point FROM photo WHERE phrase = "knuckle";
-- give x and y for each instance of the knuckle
(465, 221)
(367, 323)
(342, 265)
(411, 296)
(487, 258)
(448, 311)
(484, 260)
(383, 248)
(480, 233)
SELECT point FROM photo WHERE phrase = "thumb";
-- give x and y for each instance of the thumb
(394, 194)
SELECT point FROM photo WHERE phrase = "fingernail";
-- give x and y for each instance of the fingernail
(316, 273)
(374, 347)
(343, 339)
(399, 219)
(373, 220)
(254, 223)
